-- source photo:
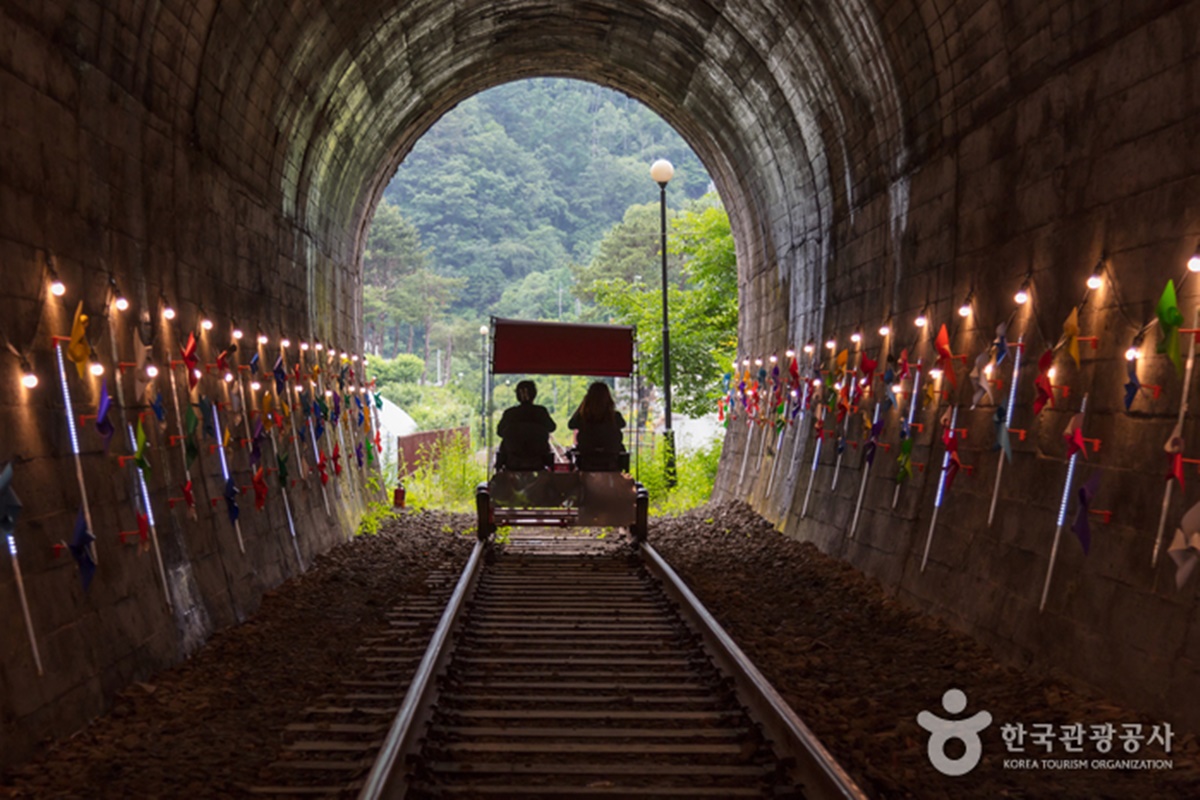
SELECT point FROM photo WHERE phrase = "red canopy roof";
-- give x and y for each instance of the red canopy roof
(561, 348)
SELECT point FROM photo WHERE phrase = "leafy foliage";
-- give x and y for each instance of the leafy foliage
(702, 307)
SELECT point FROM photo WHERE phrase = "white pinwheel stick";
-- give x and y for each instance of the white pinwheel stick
(941, 490)
(66, 392)
(912, 413)
(816, 463)
(1008, 415)
(225, 470)
(1183, 409)
(862, 484)
(1062, 511)
(16, 562)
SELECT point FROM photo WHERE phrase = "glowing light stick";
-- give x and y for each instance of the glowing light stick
(912, 411)
(1183, 409)
(287, 506)
(837, 465)
(1008, 415)
(862, 484)
(816, 463)
(796, 437)
(1062, 511)
(312, 435)
(141, 478)
(66, 391)
(237, 526)
(16, 562)
(941, 490)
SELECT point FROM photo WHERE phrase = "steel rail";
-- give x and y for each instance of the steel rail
(386, 780)
(814, 766)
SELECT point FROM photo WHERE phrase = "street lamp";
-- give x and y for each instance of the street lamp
(661, 173)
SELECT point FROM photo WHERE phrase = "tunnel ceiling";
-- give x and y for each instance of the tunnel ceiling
(793, 107)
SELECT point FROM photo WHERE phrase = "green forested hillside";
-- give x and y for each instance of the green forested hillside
(527, 177)
(534, 200)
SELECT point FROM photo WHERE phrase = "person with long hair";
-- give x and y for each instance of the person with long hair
(598, 423)
(525, 432)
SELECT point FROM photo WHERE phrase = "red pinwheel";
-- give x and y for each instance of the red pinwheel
(378, 446)
(144, 529)
(322, 468)
(260, 489)
(1045, 392)
(188, 353)
(337, 460)
(1073, 436)
(189, 497)
(945, 358)
(902, 368)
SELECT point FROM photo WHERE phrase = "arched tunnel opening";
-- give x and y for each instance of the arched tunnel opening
(958, 219)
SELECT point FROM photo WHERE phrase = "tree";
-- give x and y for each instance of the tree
(630, 253)
(703, 310)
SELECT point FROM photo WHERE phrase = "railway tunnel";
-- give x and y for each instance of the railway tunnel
(881, 163)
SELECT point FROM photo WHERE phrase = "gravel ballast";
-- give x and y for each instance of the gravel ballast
(856, 666)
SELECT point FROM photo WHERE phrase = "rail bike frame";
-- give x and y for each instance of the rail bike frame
(560, 495)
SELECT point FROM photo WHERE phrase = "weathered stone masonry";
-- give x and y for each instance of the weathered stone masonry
(876, 158)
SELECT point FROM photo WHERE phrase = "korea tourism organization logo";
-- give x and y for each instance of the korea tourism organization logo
(967, 731)
(1034, 745)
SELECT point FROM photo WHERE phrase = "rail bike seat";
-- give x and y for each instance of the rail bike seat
(600, 460)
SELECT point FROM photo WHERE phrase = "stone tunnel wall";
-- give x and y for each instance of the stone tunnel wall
(97, 175)
(1062, 133)
(875, 158)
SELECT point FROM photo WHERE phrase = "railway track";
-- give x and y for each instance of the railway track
(582, 669)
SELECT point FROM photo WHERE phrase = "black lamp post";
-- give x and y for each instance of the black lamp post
(661, 172)
(483, 359)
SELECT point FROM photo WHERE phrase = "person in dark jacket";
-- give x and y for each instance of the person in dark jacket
(525, 432)
(598, 444)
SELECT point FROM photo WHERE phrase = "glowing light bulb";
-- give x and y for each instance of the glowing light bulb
(735, 364)
(790, 353)
(319, 347)
(1194, 262)
(1094, 281)
(987, 371)
(255, 386)
(96, 368)
(168, 313)
(285, 342)
(921, 321)
(262, 338)
(1022, 296)
(1050, 373)
(862, 381)
(57, 288)
(1132, 354)
(935, 373)
(237, 333)
(758, 362)
(774, 359)
(816, 383)
(354, 357)
(831, 344)
(885, 330)
(151, 371)
(196, 373)
(228, 377)
(29, 380)
(964, 310)
(304, 346)
(856, 337)
(745, 362)
(808, 348)
(329, 393)
(121, 303)
(206, 324)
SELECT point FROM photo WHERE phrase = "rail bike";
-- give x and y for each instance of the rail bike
(569, 489)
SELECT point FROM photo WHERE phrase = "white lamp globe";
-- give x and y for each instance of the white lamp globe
(661, 171)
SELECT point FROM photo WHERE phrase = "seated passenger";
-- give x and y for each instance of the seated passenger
(525, 432)
(598, 445)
